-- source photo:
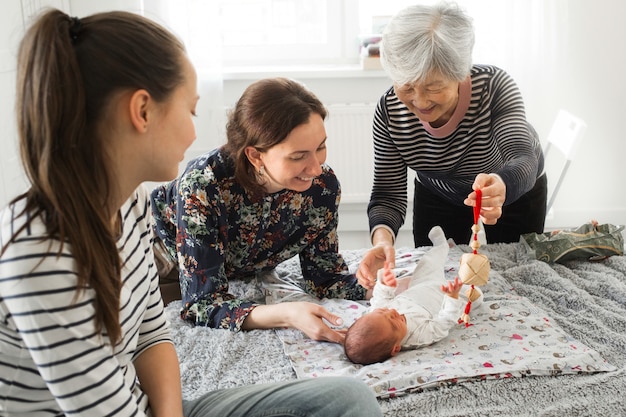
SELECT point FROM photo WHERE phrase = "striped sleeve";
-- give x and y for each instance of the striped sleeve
(388, 201)
(522, 157)
(52, 361)
(139, 270)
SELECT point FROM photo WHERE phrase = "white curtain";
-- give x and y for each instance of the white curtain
(196, 22)
(524, 37)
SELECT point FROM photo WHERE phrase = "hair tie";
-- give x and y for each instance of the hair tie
(75, 26)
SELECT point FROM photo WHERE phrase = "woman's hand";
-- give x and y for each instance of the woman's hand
(305, 316)
(309, 318)
(493, 196)
(373, 260)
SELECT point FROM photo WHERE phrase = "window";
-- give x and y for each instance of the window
(299, 32)
(255, 33)
(284, 32)
(307, 33)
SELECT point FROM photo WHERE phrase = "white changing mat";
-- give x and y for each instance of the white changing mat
(508, 337)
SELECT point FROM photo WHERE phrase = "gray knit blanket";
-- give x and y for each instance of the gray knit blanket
(585, 300)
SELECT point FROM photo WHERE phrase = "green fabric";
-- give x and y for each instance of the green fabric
(588, 241)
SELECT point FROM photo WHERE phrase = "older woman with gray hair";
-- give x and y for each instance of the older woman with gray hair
(460, 127)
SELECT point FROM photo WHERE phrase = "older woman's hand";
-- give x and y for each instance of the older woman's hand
(372, 261)
(493, 196)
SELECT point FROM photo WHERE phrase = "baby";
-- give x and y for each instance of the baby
(421, 315)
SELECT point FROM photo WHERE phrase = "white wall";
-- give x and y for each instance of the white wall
(10, 32)
(586, 77)
(590, 82)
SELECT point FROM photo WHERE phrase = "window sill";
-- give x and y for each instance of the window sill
(301, 72)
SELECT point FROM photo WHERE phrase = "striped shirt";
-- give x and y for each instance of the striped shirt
(52, 361)
(492, 136)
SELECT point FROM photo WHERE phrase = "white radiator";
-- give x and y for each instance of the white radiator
(350, 150)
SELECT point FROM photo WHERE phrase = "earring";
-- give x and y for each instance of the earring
(262, 170)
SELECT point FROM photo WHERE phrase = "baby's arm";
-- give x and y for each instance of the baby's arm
(384, 290)
(426, 328)
(452, 288)
(388, 277)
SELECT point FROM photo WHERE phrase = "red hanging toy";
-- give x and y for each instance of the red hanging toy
(474, 269)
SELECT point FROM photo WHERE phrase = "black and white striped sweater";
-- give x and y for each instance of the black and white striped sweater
(492, 137)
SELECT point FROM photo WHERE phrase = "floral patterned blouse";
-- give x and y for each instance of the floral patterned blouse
(217, 231)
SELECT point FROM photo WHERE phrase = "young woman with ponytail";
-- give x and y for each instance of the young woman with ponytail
(105, 103)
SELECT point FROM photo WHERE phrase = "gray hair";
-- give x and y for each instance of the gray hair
(421, 40)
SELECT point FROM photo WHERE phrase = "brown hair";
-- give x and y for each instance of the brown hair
(365, 346)
(68, 70)
(266, 113)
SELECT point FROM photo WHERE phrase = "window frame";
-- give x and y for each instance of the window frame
(341, 47)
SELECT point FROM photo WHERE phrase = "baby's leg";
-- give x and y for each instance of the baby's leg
(431, 266)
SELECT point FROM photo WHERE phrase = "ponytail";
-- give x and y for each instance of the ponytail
(68, 69)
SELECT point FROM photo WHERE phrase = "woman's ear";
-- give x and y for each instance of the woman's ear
(254, 156)
(139, 106)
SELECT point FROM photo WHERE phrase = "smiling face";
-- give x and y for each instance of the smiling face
(295, 162)
(432, 100)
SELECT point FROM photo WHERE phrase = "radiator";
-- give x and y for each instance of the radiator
(350, 150)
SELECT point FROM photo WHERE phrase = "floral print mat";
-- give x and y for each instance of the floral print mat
(508, 337)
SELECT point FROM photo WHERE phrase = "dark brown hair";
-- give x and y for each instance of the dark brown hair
(266, 113)
(68, 71)
(365, 346)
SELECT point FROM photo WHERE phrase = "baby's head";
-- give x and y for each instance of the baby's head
(375, 337)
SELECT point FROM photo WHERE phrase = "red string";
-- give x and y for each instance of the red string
(468, 306)
(479, 197)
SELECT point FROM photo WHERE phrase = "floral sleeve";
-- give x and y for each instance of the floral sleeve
(202, 227)
(324, 269)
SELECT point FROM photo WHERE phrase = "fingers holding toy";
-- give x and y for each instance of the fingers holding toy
(493, 195)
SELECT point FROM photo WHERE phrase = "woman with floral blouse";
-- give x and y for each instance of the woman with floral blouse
(262, 198)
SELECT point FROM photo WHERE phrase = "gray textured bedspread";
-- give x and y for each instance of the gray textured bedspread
(587, 300)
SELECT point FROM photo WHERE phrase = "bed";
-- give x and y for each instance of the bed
(549, 340)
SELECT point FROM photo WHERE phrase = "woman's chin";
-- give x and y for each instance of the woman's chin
(302, 185)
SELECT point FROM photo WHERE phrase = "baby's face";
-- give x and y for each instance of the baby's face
(388, 320)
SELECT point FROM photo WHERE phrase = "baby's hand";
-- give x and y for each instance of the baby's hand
(452, 288)
(388, 277)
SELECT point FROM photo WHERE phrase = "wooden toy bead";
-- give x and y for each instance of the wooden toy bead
(474, 268)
